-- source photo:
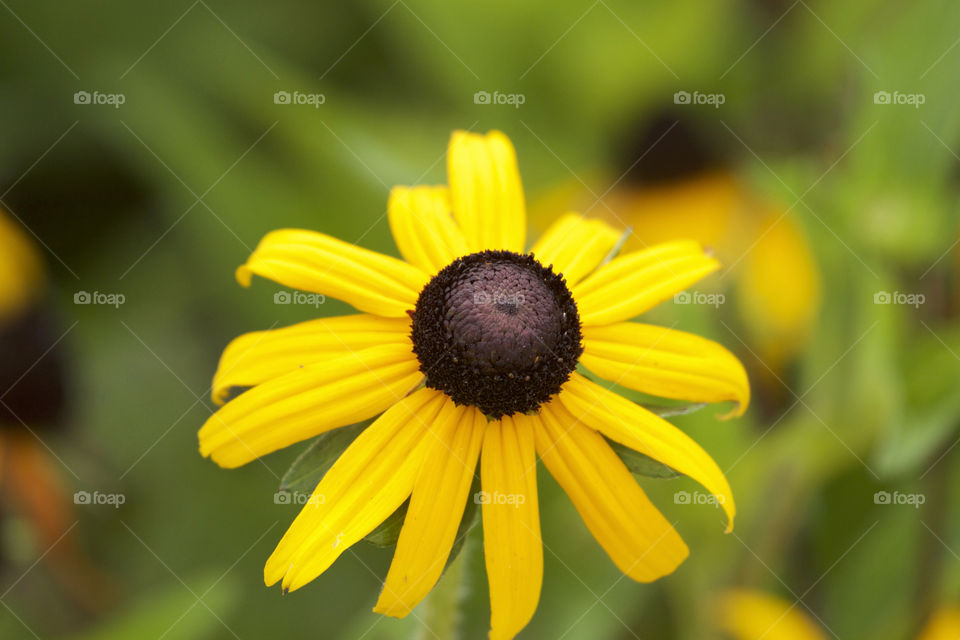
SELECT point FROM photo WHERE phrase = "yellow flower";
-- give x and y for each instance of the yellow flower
(746, 614)
(32, 402)
(673, 185)
(944, 624)
(774, 272)
(21, 271)
(468, 349)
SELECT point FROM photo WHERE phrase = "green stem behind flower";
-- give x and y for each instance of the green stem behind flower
(441, 617)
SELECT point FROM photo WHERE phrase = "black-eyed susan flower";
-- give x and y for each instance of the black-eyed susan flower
(468, 351)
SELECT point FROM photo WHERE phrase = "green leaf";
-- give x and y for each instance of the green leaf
(387, 534)
(640, 464)
(308, 470)
(466, 522)
(310, 466)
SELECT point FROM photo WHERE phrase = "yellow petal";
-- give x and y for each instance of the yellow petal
(369, 481)
(511, 524)
(316, 262)
(21, 269)
(752, 615)
(423, 229)
(259, 356)
(618, 513)
(666, 363)
(436, 507)
(631, 425)
(943, 625)
(485, 190)
(575, 246)
(631, 284)
(310, 400)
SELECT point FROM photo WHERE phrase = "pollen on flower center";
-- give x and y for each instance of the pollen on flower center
(497, 330)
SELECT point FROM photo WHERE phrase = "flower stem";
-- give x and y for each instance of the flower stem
(441, 617)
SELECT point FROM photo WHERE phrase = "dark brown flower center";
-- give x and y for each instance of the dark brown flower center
(497, 330)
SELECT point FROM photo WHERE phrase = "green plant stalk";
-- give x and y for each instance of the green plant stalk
(441, 618)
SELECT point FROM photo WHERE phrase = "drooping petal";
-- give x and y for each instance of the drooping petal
(631, 284)
(369, 481)
(575, 246)
(436, 507)
(259, 356)
(618, 513)
(666, 363)
(423, 228)
(511, 524)
(754, 615)
(631, 425)
(316, 262)
(310, 400)
(486, 192)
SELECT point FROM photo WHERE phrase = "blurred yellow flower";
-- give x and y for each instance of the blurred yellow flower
(944, 624)
(21, 270)
(687, 194)
(746, 614)
(31, 403)
(752, 615)
(468, 349)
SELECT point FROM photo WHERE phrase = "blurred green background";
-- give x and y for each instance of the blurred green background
(161, 197)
